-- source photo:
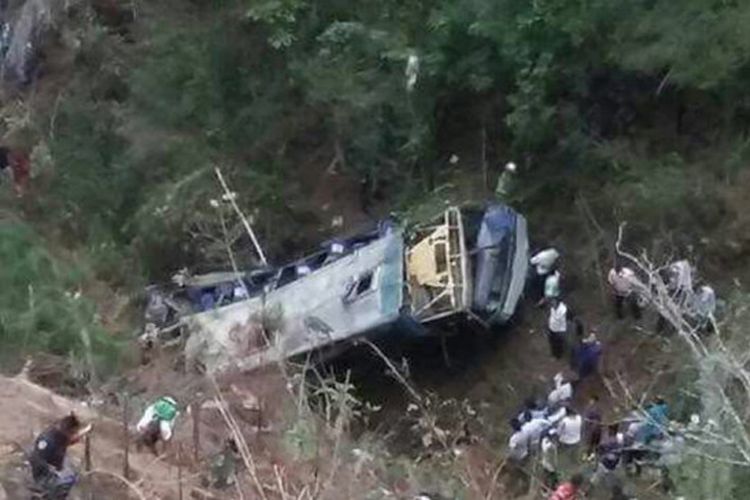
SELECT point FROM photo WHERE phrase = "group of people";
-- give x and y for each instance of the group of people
(585, 351)
(54, 475)
(549, 436)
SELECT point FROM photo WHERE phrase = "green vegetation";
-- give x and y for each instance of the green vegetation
(628, 97)
(620, 110)
(41, 307)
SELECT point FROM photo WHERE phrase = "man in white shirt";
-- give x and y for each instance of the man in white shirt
(557, 327)
(561, 394)
(622, 282)
(570, 430)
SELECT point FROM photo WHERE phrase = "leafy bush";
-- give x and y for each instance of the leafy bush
(40, 305)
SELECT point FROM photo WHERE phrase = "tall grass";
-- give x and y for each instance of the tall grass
(40, 307)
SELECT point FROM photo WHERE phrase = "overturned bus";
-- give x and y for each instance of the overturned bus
(466, 264)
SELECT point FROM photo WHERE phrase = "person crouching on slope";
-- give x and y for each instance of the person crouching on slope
(49, 468)
(157, 423)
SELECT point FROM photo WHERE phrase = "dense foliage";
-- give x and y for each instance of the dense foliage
(632, 97)
(41, 306)
(637, 107)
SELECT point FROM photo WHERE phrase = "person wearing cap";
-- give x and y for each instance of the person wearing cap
(504, 182)
(548, 458)
(157, 423)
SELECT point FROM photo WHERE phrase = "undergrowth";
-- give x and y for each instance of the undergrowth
(41, 306)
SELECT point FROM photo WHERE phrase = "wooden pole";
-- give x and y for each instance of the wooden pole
(126, 435)
(87, 462)
(87, 452)
(179, 471)
(196, 431)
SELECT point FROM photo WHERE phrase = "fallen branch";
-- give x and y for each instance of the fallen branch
(230, 196)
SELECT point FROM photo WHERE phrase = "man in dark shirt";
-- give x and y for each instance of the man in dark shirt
(47, 459)
(592, 424)
(609, 452)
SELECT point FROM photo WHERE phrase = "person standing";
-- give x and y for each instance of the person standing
(551, 288)
(5, 162)
(557, 327)
(592, 423)
(504, 184)
(224, 466)
(561, 394)
(622, 282)
(608, 453)
(20, 165)
(569, 430)
(587, 356)
(49, 468)
(705, 307)
(548, 458)
(544, 262)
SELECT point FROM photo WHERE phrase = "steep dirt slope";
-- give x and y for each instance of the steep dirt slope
(28, 408)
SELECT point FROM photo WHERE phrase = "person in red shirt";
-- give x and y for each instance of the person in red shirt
(568, 490)
(20, 166)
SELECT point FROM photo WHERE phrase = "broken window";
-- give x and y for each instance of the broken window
(359, 287)
(364, 284)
